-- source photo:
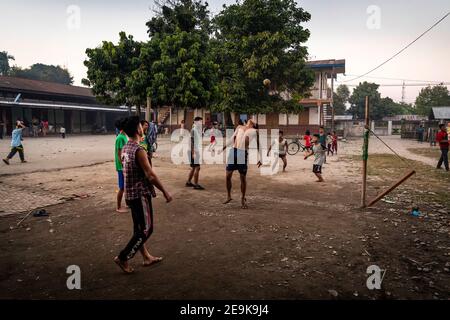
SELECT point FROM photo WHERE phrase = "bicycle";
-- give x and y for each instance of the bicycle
(295, 146)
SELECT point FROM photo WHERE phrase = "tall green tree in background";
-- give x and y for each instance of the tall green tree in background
(4, 62)
(184, 74)
(43, 72)
(379, 107)
(340, 99)
(256, 40)
(358, 98)
(432, 97)
(109, 68)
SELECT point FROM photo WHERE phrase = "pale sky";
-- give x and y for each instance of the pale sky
(37, 31)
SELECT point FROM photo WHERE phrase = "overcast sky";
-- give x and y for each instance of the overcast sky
(43, 31)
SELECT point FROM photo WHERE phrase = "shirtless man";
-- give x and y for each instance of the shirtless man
(238, 157)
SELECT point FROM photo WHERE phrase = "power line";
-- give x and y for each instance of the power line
(398, 53)
(390, 78)
(406, 84)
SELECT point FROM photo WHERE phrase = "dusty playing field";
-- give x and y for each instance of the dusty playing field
(298, 239)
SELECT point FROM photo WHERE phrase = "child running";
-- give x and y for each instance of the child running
(16, 143)
(307, 138)
(318, 150)
(139, 177)
(282, 149)
(329, 144)
(334, 145)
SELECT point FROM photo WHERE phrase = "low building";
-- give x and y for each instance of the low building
(442, 114)
(74, 108)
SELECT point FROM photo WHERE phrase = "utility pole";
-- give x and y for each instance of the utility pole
(365, 155)
(403, 91)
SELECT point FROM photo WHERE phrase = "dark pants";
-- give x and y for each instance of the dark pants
(443, 159)
(142, 214)
(14, 150)
(330, 149)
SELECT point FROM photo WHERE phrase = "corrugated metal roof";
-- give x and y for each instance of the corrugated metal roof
(20, 84)
(441, 113)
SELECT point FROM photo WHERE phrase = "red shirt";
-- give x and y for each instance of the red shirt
(307, 140)
(442, 135)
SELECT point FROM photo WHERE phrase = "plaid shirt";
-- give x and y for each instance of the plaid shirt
(136, 183)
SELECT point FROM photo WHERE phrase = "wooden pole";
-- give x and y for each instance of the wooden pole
(395, 185)
(148, 110)
(365, 155)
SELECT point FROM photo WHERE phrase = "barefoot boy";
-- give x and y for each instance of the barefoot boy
(139, 176)
(318, 150)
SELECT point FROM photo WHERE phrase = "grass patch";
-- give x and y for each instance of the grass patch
(432, 152)
(427, 185)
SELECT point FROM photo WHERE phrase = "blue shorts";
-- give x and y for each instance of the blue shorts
(237, 160)
(121, 180)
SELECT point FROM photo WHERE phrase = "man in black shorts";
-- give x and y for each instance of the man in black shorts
(194, 154)
(238, 158)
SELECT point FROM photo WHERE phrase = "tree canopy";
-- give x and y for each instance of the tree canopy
(432, 97)
(109, 68)
(340, 99)
(379, 107)
(42, 72)
(256, 40)
(193, 61)
(4, 62)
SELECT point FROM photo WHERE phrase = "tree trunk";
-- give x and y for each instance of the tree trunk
(228, 122)
(138, 110)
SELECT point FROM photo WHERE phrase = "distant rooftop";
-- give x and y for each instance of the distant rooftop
(409, 117)
(440, 113)
(331, 64)
(36, 86)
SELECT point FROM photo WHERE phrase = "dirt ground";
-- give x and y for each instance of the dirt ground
(298, 240)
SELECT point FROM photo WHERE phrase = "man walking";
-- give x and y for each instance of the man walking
(442, 139)
(16, 143)
(139, 181)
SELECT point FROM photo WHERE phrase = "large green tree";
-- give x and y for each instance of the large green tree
(4, 62)
(109, 71)
(379, 107)
(256, 40)
(358, 98)
(179, 62)
(432, 97)
(340, 99)
(43, 72)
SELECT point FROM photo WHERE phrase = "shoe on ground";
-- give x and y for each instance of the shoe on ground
(6, 161)
(198, 187)
(190, 184)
